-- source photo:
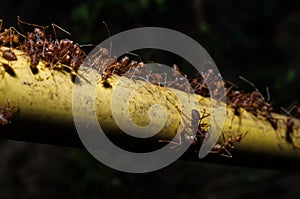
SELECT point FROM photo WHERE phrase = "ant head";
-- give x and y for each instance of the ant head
(40, 33)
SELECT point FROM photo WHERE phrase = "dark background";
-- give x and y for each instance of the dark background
(259, 40)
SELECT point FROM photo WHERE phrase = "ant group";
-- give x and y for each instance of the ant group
(253, 102)
(40, 46)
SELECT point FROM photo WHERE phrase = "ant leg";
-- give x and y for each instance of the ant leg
(228, 155)
(110, 40)
(11, 36)
(165, 79)
(60, 28)
(268, 94)
(252, 84)
(287, 112)
(176, 144)
(217, 148)
(86, 45)
(19, 34)
(29, 24)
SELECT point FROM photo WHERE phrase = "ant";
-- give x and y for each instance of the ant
(33, 42)
(289, 130)
(196, 122)
(197, 126)
(227, 146)
(187, 134)
(289, 123)
(181, 82)
(139, 70)
(118, 67)
(9, 36)
(123, 65)
(102, 61)
(199, 84)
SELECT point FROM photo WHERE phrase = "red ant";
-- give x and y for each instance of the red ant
(289, 130)
(140, 71)
(199, 87)
(199, 84)
(289, 123)
(108, 65)
(180, 80)
(227, 146)
(33, 42)
(9, 36)
(195, 123)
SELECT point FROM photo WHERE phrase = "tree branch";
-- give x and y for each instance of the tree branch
(44, 101)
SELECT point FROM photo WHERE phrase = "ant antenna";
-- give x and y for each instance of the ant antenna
(16, 31)
(29, 24)
(108, 32)
(232, 84)
(290, 109)
(87, 45)
(244, 79)
(60, 28)
(287, 112)
(268, 94)
(1, 22)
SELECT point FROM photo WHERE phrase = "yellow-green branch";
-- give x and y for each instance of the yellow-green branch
(45, 113)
